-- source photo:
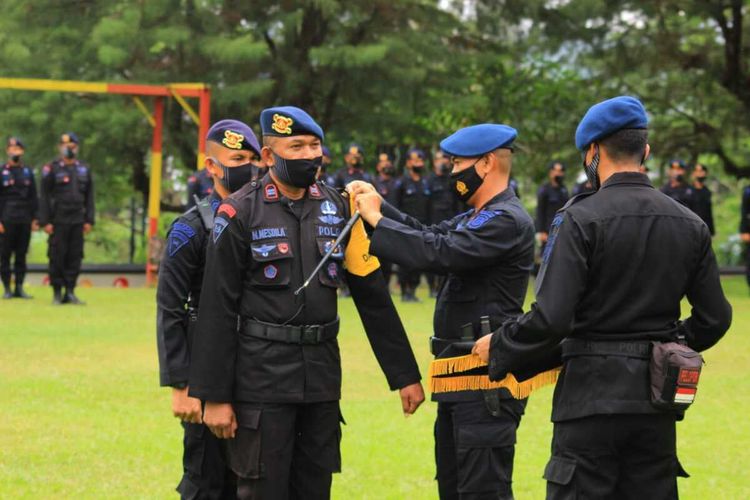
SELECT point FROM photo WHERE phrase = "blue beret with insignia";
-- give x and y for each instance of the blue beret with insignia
(607, 117)
(326, 151)
(233, 134)
(355, 149)
(478, 140)
(69, 137)
(415, 153)
(15, 141)
(286, 121)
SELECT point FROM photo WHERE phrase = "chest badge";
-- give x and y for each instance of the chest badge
(270, 271)
(329, 213)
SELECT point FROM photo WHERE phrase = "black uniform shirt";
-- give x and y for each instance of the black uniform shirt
(262, 248)
(345, 175)
(702, 206)
(178, 292)
(617, 264)
(745, 211)
(387, 189)
(18, 199)
(681, 193)
(67, 194)
(413, 197)
(486, 255)
(443, 203)
(549, 199)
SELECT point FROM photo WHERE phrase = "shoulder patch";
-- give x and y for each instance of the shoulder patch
(482, 218)
(553, 232)
(179, 236)
(220, 224)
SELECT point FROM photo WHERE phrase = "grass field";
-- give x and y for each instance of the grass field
(83, 416)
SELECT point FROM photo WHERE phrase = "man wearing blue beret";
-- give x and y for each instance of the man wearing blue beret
(266, 358)
(617, 264)
(231, 148)
(413, 197)
(18, 217)
(353, 169)
(486, 254)
(677, 187)
(550, 198)
(66, 212)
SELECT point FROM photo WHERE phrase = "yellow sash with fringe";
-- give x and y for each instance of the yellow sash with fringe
(445, 376)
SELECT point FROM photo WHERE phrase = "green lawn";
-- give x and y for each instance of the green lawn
(83, 416)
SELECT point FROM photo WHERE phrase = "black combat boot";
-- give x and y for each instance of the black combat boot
(6, 285)
(70, 298)
(57, 298)
(20, 293)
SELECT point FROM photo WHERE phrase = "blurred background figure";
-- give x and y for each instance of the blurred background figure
(550, 198)
(701, 197)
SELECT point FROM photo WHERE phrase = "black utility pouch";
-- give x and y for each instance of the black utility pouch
(675, 370)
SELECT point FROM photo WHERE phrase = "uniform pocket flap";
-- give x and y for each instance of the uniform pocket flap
(560, 470)
(486, 435)
(248, 418)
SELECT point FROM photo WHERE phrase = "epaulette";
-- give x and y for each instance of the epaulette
(575, 199)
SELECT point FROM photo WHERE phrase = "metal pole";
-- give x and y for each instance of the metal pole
(154, 191)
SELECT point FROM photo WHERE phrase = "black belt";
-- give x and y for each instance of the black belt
(629, 349)
(438, 345)
(291, 334)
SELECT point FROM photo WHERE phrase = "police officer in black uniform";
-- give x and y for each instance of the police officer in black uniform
(677, 187)
(18, 213)
(199, 185)
(413, 198)
(444, 205)
(325, 175)
(487, 254)
(582, 187)
(354, 170)
(550, 198)
(701, 197)
(66, 212)
(385, 182)
(617, 265)
(231, 146)
(265, 358)
(745, 229)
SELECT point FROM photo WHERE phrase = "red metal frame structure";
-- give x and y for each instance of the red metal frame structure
(178, 91)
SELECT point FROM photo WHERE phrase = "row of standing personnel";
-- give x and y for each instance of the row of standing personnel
(64, 209)
(261, 353)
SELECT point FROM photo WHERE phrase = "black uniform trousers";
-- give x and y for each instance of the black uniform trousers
(15, 241)
(205, 474)
(65, 254)
(747, 264)
(408, 279)
(614, 456)
(474, 450)
(296, 444)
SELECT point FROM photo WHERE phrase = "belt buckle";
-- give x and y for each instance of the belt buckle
(310, 334)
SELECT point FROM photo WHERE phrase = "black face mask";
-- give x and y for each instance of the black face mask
(559, 179)
(679, 178)
(357, 164)
(298, 173)
(417, 170)
(69, 153)
(235, 177)
(466, 182)
(701, 179)
(15, 158)
(592, 169)
(388, 171)
(445, 168)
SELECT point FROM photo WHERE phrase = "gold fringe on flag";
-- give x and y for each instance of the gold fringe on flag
(448, 366)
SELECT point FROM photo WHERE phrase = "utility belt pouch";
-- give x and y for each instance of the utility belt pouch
(674, 370)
